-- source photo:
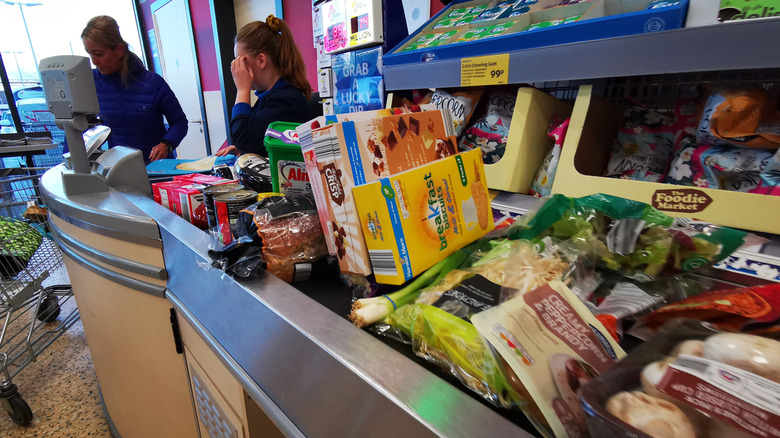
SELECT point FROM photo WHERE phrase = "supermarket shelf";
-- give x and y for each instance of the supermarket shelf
(728, 46)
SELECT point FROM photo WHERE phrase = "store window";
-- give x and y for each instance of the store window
(29, 34)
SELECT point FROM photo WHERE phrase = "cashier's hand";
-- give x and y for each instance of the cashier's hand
(158, 152)
(228, 150)
(242, 74)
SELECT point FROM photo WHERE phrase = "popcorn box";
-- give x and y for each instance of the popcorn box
(414, 219)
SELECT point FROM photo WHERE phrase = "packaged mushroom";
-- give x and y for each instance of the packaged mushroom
(689, 380)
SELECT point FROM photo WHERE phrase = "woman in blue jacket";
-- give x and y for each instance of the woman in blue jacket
(269, 62)
(132, 99)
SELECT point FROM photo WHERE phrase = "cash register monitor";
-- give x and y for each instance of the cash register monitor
(68, 86)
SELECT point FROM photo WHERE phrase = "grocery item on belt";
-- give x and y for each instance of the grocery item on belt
(288, 170)
(554, 345)
(416, 218)
(227, 207)
(361, 152)
(291, 236)
(631, 238)
(744, 309)
(489, 133)
(208, 199)
(254, 172)
(696, 380)
(643, 147)
(322, 145)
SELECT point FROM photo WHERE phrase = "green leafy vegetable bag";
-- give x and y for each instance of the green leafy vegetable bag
(630, 237)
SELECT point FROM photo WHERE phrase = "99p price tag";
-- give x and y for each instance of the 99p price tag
(484, 70)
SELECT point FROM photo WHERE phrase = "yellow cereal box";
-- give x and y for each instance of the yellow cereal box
(416, 218)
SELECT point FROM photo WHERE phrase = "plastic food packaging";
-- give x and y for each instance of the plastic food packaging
(438, 324)
(490, 132)
(689, 380)
(542, 184)
(462, 103)
(643, 147)
(254, 172)
(631, 238)
(743, 309)
(291, 236)
(554, 345)
(726, 167)
(745, 117)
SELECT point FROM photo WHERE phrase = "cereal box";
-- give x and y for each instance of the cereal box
(416, 218)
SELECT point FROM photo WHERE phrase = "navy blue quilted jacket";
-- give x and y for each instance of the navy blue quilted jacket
(283, 102)
(135, 112)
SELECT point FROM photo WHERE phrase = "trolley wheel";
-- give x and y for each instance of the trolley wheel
(14, 404)
(49, 309)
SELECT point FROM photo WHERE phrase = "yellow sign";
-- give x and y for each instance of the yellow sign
(484, 70)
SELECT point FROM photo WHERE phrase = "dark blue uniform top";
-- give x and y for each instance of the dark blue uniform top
(281, 103)
(135, 112)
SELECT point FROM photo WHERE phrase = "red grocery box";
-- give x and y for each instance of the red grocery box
(187, 202)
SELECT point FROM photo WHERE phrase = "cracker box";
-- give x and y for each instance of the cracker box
(416, 218)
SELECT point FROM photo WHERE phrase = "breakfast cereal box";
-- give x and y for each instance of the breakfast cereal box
(416, 218)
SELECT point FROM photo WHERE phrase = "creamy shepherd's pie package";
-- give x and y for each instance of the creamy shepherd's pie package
(554, 345)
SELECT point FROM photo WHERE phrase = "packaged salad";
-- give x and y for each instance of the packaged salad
(629, 237)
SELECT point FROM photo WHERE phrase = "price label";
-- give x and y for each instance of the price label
(484, 70)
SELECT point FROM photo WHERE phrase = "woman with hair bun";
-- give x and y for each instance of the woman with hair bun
(132, 99)
(269, 62)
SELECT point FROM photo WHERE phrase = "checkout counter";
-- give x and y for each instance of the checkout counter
(183, 350)
(260, 356)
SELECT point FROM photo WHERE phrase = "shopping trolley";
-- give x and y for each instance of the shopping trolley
(30, 308)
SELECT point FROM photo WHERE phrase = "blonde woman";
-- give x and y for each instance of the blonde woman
(133, 100)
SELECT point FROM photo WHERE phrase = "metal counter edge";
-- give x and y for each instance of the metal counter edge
(317, 374)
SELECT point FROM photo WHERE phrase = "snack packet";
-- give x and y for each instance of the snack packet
(746, 117)
(461, 102)
(542, 184)
(725, 167)
(643, 147)
(491, 131)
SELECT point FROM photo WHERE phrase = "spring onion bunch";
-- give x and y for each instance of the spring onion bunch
(368, 311)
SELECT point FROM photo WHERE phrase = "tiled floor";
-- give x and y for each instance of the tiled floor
(61, 389)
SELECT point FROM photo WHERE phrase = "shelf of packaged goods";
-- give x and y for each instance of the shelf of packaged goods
(720, 47)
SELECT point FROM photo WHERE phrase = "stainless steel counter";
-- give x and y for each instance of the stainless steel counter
(313, 372)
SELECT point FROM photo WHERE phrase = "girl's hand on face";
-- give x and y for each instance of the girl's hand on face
(242, 74)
